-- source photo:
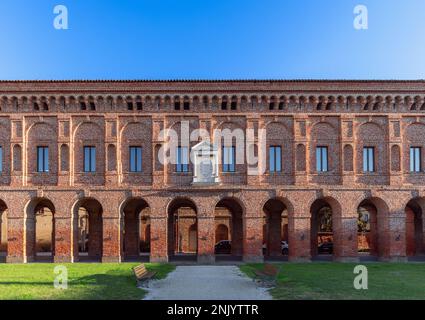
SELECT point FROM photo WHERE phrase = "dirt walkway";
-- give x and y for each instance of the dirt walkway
(206, 283)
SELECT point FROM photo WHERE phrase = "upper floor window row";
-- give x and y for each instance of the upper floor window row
(228, 153)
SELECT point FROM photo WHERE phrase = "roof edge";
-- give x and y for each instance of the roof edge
(217, 81)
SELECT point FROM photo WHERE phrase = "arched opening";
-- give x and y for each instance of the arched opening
(322, 229)
(275, 229)
(415, 240)
(368, 242)
(229, 229)
(3, 231)
(182, 228)
(40, 230)
(136, 229)
(89, 229)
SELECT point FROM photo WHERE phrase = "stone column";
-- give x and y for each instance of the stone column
(63, 239)
(76, 236)
(16, 240)
(159, 243)
(396, 236)
(410, 232)
(206, 237)
(253, 236)
(111, 239)
(299, 238)
(131, 237)
(274, 231)
(345, 238)
(30, 239)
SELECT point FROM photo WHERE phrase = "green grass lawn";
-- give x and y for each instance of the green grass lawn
(95, 281)
(335, 281)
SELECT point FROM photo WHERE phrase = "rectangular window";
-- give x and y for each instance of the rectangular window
(89, 159)
(275, 159)
(322, 159)
(182, 163)
(135, 159)
(229, 159)
(43, 159)
(368, 159)
(415, 159)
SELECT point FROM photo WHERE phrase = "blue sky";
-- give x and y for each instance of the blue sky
(212, 39)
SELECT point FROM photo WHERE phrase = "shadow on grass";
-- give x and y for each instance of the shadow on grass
(90, 287)
(86, 282)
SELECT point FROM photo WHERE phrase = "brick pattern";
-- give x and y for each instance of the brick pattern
(298, 116)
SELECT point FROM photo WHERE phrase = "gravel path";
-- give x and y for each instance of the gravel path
(206, 283)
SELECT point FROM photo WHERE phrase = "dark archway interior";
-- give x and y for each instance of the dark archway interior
(182, 227)
(136, 229)
(44, 235)
(228, 212)
(367, 228)
(415, 245)
(322, 236)
(275, 228)
(90, 229)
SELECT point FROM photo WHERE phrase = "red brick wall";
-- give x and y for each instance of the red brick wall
(386, 115)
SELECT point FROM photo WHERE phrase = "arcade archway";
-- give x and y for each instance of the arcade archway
(229, 228)
(369, 222)
(415, 240)
(275, 229)
(136, 228)
(88, 229)
(322, 228)
(40, 230)
(182, 228)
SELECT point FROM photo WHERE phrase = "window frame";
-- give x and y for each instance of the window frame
(228, 166)
(322, 159)
(181, 166)
(275, 154)
(135, 159)
(42, 159)
(369, 159)
(415, 159)
(90, 160)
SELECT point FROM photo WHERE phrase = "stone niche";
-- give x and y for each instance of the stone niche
(205, 163)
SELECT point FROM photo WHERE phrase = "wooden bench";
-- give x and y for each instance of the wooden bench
(142, 274)
(268, 275)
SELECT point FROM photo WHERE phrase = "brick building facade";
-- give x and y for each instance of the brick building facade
(350, 170)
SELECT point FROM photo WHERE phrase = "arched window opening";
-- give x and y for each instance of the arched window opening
(186, 103)
(224, 103)
(176, 103)
(234, 103)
